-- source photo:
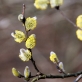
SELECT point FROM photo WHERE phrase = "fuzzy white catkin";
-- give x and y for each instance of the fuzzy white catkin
(61, 66)
(26, 72)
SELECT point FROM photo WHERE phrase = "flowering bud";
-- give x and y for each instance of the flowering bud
(53, 57)
(41, 4)
(25, 55)
(31, 41)
(16, 73)
(79, 21)
(18, 36)
(20, 17)
(30, 23)
(55, 3)
(79, 34)
(27, 72)
(61, 66)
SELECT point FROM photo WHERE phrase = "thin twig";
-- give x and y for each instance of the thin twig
(62, 13)
(56, 76)
(61, 71)
(24, 19)
(67, 18)
(38, 72)
(32, 60)
(23, 11)
(57, 64)
(33, 76)
(21, 76)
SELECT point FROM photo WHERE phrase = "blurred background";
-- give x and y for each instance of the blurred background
(53, 33)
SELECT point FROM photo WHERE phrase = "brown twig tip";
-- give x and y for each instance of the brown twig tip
(23, 11)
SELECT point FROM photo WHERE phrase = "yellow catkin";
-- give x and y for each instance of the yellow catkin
(79, 34)
(31, 41)
(79, 21)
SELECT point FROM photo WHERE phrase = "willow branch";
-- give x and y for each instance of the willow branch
(56, 76)
(32, 60)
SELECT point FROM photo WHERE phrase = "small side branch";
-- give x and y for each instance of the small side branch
(56, 76)
(32, 60)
